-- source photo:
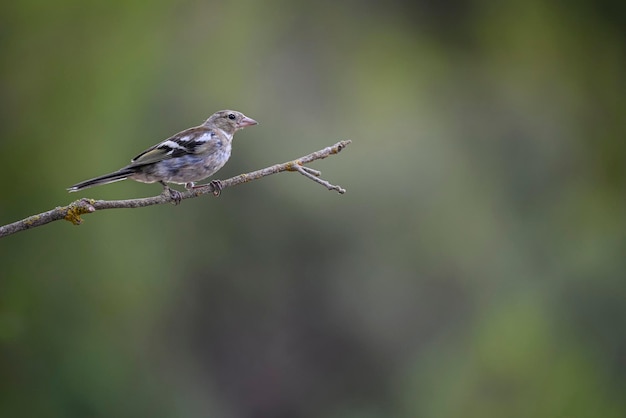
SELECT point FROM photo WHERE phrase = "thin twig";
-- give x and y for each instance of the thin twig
(74, 210)
(324, 183)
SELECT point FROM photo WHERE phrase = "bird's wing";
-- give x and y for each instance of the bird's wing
(189, 141)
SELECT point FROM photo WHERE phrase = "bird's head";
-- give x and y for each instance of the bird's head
(229, 121)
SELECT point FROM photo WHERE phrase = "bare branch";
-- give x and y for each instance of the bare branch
(74, 210)
(306, 173)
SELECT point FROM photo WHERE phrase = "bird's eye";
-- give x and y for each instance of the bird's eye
(231, 116)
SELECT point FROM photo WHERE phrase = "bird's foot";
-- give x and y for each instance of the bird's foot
(215, 184)
(175, 195)
(217, 187)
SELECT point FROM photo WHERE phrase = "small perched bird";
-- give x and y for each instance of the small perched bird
(189, 156)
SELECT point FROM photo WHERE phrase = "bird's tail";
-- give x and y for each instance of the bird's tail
(107, 178)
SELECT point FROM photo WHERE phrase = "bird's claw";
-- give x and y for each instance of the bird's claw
(176, 196)
(217, 187)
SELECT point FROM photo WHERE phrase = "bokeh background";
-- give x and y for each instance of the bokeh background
(475, 267)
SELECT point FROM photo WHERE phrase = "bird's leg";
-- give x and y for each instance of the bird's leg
(216, 184)
(175, 195)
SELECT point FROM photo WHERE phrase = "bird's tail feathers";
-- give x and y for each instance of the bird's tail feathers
(107, 178)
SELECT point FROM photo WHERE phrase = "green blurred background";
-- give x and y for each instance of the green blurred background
(475, 267)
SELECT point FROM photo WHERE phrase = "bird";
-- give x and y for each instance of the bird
(185, 158)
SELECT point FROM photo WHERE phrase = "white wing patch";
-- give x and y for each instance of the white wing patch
(172, 145)
(205, 137)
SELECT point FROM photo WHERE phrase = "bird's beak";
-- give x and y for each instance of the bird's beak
(246, 121)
